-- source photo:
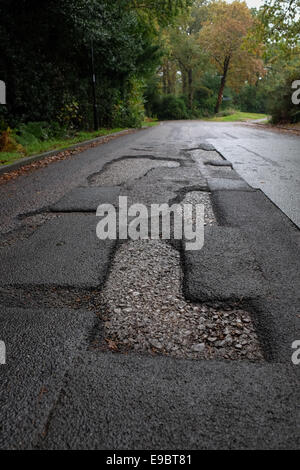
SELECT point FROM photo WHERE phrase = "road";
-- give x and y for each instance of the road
(267, 160)
(144, 344)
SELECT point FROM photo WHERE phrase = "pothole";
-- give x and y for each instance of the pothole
(206, 155)
(203, 146)
(201, 197)
(119, 172)
(144, 310)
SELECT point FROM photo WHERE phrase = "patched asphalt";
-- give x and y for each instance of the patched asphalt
(224, 269)
(40, 347)
(139, 402)
(65, 251)
(58, 393)
(275, 242)
(228, 184)
(86, 199)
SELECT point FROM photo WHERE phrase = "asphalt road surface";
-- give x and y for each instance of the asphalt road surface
(84, 373)
(267, 160)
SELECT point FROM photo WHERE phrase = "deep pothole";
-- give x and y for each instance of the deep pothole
(128, 169)
(144, 310)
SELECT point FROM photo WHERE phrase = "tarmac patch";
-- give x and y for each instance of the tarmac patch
(65, 251)
(86, 199)
(223, 269)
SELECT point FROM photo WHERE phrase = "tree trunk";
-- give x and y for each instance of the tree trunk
(172, 79)
(190, 88)
(222, 84)
(184, 82)
(164, 79)
(168, 79)
(220, 94)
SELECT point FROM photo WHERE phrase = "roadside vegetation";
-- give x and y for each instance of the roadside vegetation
(152, 60)
(34, 138)
(38, 137)
(220, 56)
(231, 115)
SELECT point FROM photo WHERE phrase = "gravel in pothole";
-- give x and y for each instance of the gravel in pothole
(206, 155)
(144, 310)
(119, 172)
(201, 197)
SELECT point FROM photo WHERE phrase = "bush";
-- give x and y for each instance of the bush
(172, 107)
(205, 101)
(251, 98)
(34, 132)
(202, 94)
(69, 115)
(281, 107)
(8, 142)
(130, 111)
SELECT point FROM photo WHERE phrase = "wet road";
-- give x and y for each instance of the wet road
(66, 383)
(267, 160)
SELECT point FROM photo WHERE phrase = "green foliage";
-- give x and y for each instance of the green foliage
(172, 107)
(35, 146)
(202, 94)
(164, 11)
(34, 132)
(238, 116)
(280, 23)
(280, 105)
(152, 95)
(252, 98)
(227, 112)
(8, 142)
(130, 111)
(205, 99)
(69, 115)
(45, 58)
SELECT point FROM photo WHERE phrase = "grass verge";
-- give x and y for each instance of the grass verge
(150, 122)
(239, 116)
(39, 146)
(53, 144)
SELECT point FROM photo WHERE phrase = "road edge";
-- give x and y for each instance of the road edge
(27, 160)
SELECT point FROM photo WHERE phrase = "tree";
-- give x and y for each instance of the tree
(164, 11)
(189, 56)
(279, 29)
(224, 38)
(279, 22)
(184, 50)
(45, 54)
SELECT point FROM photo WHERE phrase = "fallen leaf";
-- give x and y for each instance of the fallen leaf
(112, 345)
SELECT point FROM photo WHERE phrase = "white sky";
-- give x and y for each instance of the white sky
(251, 3)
